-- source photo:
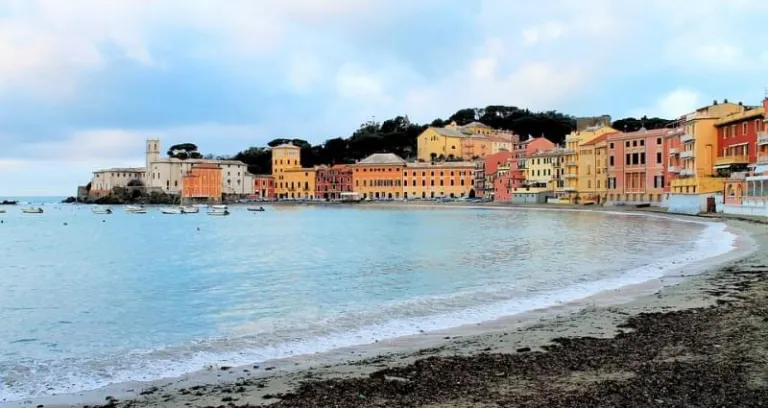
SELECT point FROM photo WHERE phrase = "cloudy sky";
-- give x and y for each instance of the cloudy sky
(84, 82)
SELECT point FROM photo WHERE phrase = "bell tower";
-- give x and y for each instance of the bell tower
(152, 155)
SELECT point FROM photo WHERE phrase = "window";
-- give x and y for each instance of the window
(628, 160)
(642, 158)
(642, 142)
(626, 144)
(634, 143)
(658, 157)
(611, 146)
(610, 161)
(744, 128)
(658, 140)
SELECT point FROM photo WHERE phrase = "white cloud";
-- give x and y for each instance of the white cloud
(357, 84)
(674, 104)
(546, 32)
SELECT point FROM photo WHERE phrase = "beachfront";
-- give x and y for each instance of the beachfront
(577, 352)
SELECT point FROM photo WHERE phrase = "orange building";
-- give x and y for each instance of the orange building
(202, 182)
(263, 187)
(379, 176)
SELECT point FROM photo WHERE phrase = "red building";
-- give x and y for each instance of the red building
(263, 187)
(737, 140)
(330, 182)
(492, 163)
(508, 177)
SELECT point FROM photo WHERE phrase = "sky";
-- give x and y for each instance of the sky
(83, 83)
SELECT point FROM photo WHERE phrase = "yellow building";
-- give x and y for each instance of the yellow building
(593, 170)
(291, 180)
(468, 142)
(434, 180)
(545, 169)
(698, 150)
(572, 143)
(378, 176)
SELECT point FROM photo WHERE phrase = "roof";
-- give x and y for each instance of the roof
(287, 146)
(382, 158)
(195, 161)
(550, 153)
(639, 134)
(476, 124)
(122, 170)
(441, 165)
(745, 115)
(205, 165)
(449, 132)
(598, 139)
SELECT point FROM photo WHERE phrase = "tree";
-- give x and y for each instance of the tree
(183, 151)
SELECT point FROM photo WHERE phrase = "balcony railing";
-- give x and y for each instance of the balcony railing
(569, 188)
(674, 169)
(762, 158)
(571, 163)
(687, 172)
(686, 154)
(571, 176)
(674, 150)
(728, 160)
(762, 138)
(686, 138)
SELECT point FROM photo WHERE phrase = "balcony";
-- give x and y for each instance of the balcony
(762, 158)
(569, 188)
(686, 154)
(571, 163)
(674, 150)
(674, 169)
(762, 138)
(686, 138)
(687, 173)
(729, 160)
(571, 176)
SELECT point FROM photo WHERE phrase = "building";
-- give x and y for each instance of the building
(103, 181)
(570, 190)
(698, 150)
(331, 181)
(636, 167)
(438, 180)
(292, 182)
(592, 171)
(167, 173)
(672, 147)
(379, 176)
(531, 146)
(491, 166)
(737, 140)
(509, 177)
(468, 142)
(544, 169)
(762, 138)
(203, 182)
(263, 187)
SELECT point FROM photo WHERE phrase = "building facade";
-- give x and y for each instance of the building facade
(379, 177)
(438, 180)
(592, 171)
(491, 166)
(466, 143)
(545, 169)
(203, 182)
(509, 177)
(636, 167)
(571, 163)
(103, 181)
(263, 187)
(737, 140)
(332, 181)
(291, 180)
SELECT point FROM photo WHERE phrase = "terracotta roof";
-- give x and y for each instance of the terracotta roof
(287, 146)
(382, 158)
(638, 134)
(206, 165)
(598, 139)
(438, 165)
(476, 124)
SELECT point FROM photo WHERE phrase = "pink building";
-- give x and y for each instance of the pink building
(491, 164)
(672, 149)
(636, 167)
(508, 178)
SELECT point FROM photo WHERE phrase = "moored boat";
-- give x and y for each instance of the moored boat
(190, 210)
(220, 207)
(257, 209)
(218, 212)
(135, 209)
(32, 210)
(171, 210)
(101, 210)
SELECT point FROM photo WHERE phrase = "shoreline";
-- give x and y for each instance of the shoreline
(530, 330)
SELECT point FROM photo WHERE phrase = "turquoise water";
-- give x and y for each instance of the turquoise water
(113, 298)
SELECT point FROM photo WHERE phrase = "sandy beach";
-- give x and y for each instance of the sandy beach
(694, 338)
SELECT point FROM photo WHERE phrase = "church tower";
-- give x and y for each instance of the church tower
(152, 155)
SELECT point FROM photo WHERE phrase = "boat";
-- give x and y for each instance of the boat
(220, 207)
(171, 210)
(218, 212)
(2, 211)
(8, 202)
(32, 210)
(135, 209)
(190, 210)
(200, 205)
(101, 210)
(256, 209)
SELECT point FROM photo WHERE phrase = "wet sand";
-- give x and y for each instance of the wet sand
(680, 341)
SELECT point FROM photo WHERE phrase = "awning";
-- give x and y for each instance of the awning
(723, 166)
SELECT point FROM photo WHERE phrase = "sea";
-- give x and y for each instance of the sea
(91, 300)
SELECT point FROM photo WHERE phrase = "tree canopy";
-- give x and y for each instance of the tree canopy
(184, 151)
(398, 135)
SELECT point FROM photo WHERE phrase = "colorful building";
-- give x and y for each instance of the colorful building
(468, 142)
(203, 182)
(530, 146)
(379, 176)
(592, 168)
(263, 187)
(545, 169)
(762, 138)
(737, 140)
(636, 167)
(291, 180)
(332, 181)
(570, 189)
(699, 149)
(491, 165)
(672, 147)
(438, 180)
(509, 177)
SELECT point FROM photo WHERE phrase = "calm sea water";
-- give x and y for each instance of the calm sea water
(108, 299)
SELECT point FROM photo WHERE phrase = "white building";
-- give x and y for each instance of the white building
(167, 174)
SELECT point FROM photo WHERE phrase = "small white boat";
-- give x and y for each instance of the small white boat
(135, 209)
(32, 210)
(219, 207)
(190, 210)
(257, 209)
(171, 210)
(219, 212)
(101, 210)
(200, 206)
